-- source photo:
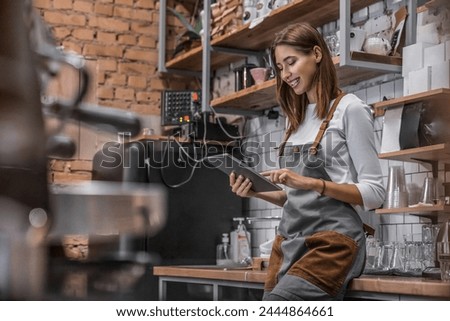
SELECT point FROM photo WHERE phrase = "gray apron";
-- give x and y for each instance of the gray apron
(320, 244)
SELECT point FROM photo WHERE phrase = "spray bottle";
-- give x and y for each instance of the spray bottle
(240, 243)
(223, 251)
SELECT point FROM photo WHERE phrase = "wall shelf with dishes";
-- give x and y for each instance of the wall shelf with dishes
(255, 37)
(431, 154)
(419, 210)
(427, 154)
(438, 152)
(433, 96)
(263, 96)
(257, 97)
(258, 37)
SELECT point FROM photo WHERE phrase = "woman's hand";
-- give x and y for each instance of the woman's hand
(291, 179)
(241, 186)
(348, 193)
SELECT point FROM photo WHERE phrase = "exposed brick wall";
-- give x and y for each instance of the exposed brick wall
(122, 35)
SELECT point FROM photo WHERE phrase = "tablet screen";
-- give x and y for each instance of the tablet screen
(228, 164)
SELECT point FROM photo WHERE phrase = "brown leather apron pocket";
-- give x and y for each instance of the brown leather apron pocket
(328, 260)
(276, 258)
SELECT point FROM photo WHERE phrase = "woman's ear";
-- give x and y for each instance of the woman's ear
(317, 53)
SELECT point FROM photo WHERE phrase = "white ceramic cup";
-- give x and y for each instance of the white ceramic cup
(357, 37)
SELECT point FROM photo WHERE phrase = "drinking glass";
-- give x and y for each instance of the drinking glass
(372, 253)
(428, 191)
(443, 254)
(413, 257)
(429, 237)
(396, 193)
(398, 257)
(385, 257)
(332, 41)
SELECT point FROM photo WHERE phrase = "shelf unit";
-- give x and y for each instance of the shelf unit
(253, 39)
(259, 37)
(432, 154)
(257, 97)
(435, 96)
(438, 152)
(430, 212)
(429, 154)
(422, 210)
(262, 96)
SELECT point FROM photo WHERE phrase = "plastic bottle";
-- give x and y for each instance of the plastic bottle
(223, 255)
(240, 244)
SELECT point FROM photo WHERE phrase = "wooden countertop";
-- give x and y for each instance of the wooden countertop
(414, 286)
(212, 273)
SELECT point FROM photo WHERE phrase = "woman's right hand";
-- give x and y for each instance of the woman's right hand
(241, 186)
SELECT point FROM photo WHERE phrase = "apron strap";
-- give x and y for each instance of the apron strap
(324, 125)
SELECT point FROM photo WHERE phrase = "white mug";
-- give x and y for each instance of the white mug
(377, 45)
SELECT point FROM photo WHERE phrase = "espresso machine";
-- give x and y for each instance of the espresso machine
(35, 216)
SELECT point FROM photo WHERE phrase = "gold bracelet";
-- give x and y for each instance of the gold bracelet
(323, 186)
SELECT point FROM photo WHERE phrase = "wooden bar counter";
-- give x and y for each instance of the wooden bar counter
(366, 287)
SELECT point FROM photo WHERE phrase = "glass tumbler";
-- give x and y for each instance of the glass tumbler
(398, 257)
(443, 254)
(372, 252)
(428, 195)
(386, 256)
(396, 193)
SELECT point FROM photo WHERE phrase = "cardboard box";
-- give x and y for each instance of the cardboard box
(434, 55)
(447, 50)
(440, 75)
(428, 33)
(413, 57)
(405, 86)
(419, 80)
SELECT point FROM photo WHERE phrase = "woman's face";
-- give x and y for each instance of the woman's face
(297, 69)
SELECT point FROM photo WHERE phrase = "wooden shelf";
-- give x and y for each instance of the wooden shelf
(349, 75)
(438, 152)
(436, 95)
(263, 96)
(257, 97)
(432, 153)
(316, 12)
(420, 209)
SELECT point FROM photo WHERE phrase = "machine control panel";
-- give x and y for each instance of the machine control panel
(179, 107)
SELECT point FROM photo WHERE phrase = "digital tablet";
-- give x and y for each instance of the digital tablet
(228, 164)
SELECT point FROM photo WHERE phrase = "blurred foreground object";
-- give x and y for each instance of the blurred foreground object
(33, 217)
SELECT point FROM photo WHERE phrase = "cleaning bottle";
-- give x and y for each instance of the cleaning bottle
(240, 244)
(223, 255)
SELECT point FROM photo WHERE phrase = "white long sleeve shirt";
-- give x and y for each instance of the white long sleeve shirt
(350, 138)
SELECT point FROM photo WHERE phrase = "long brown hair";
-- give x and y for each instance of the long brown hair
(303, 37)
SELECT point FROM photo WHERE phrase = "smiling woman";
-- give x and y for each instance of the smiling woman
(329, 169)
(298, 68)
(304, 51)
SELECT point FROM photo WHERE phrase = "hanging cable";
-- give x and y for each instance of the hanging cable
(182, 149)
